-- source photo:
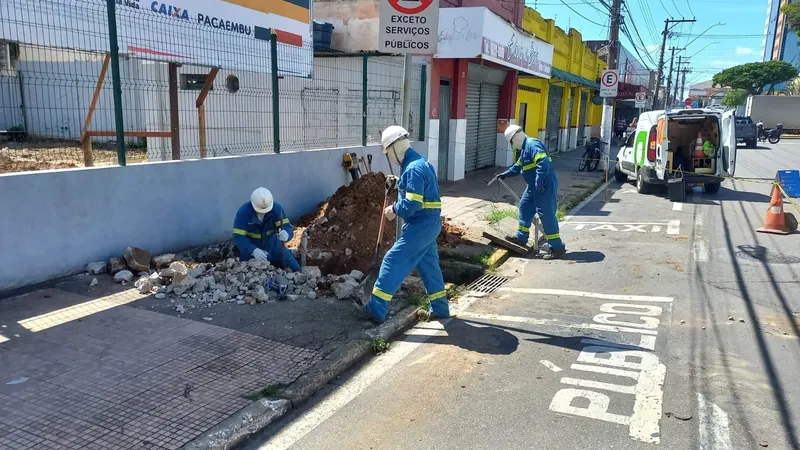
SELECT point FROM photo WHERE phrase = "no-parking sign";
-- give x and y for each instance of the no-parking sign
(609, 83)
(409, 26)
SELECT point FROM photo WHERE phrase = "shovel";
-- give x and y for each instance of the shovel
(538, 240)
(364, 290)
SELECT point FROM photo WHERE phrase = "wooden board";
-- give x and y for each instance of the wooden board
(507, 227)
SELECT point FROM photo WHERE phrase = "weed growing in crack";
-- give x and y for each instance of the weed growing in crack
(496, 215)
(380, 345)
(419, 300)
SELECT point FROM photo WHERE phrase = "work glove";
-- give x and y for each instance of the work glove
(283, 236)
(389, 213)
(391, 182)
(500, 176)
(260, 255)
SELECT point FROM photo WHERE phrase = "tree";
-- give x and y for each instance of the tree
(734, 98)
(792, 87)
(792, 11)
(754, 77)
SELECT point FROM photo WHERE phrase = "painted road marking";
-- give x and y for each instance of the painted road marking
(630, 298)
(374, 369)
(621, 360)
(550, 365)
(699, 246)
(673, 226)
(714, 429)
(677, 206)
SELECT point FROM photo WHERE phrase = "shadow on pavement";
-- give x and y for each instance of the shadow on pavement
(778, 390)
(726, 194)
(486, 339)
(584, 256)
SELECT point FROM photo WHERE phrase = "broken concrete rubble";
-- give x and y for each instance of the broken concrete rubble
(116, 265)
(345, 289)
(123, 275)
(163, 260)
(137, 258)
(97, 268)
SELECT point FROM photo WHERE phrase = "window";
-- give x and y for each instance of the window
(631, 139)
(523, 115)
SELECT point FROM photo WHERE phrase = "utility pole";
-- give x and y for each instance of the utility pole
(608, 102)
(668, 98)
(681, 60)
(665, 34)
(683, 81)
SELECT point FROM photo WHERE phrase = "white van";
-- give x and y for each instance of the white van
(662, 147)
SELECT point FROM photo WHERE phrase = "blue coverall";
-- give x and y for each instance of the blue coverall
(540, 195)
(419, 205)
(249, 232)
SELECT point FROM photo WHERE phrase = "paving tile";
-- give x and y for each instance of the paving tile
(6, 429)
(22, 440)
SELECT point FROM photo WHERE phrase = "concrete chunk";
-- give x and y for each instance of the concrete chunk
(137, 258)
(96, 268)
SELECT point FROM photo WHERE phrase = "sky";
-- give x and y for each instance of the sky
(735, 41)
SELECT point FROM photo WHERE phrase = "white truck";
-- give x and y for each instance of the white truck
(775, 109)
(663, 147)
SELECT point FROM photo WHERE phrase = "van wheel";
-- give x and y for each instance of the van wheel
(619, 175)
(711, 188)
(641, 186)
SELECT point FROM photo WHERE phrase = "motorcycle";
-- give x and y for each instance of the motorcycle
(773, 135)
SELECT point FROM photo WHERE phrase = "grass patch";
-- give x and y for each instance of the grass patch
(561, 212)
(419, 300)
(272, 391)
(380, 345)
(496, 215)
(455, 291)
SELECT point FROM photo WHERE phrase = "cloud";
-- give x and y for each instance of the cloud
(744, 51)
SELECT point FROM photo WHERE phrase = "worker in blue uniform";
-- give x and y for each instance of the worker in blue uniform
(419, 205)
(541, 193)
(261, 229)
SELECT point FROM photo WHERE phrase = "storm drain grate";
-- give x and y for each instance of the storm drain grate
(487, 284)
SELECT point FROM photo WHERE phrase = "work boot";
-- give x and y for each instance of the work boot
(516, 240)
(555, 254)
(363, 313)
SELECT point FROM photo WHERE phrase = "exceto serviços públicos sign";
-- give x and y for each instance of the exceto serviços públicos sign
(409, 26)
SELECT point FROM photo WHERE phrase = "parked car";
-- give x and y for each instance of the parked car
(746, 131)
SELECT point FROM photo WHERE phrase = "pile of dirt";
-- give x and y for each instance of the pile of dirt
(342, 232)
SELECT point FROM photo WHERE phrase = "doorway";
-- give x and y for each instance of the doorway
(444, 129)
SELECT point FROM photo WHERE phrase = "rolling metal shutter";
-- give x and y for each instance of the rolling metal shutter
(473, 115)
(582, 118)
(552, 132)
(487, 130)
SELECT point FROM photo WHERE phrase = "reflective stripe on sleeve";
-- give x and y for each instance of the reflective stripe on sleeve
(524, 229)
(432, 205)
(414, 197)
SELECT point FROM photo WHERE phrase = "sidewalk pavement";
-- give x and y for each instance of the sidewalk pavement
(109, 368)
(467, 202)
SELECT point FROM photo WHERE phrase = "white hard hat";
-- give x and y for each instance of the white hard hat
(261, 199)
(391, 135)
(511, 130)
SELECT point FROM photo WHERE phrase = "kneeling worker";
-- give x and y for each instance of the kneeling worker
(541, 194)
(419, 205)
(260, 230)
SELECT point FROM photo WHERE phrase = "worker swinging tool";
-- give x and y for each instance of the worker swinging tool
(419, 205)
(541, 194)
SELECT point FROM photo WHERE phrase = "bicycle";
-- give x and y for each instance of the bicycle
(591, 156)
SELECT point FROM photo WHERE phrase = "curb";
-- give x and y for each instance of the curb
(263, 412)
(498, 257)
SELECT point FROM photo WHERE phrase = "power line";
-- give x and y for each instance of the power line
(582, 16)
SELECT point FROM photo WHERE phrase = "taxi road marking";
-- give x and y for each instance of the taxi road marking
(673, 226)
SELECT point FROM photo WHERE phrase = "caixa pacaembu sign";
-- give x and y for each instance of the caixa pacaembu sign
(409, 26)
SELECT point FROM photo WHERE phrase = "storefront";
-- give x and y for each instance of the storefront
(479, 57)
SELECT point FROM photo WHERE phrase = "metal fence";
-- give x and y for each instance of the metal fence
(57, 105)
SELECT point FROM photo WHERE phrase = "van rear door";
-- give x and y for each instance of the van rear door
(726, 158)
(662, 148)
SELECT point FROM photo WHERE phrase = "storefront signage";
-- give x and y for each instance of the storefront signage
(478, 32)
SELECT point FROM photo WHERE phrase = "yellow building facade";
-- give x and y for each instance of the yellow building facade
(560, 110)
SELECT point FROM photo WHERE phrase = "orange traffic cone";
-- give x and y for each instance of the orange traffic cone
(775, 221)
(698, 147)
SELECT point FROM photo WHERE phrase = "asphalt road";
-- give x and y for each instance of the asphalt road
(668, 325)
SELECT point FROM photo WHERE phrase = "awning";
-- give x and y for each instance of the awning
(572, 78)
